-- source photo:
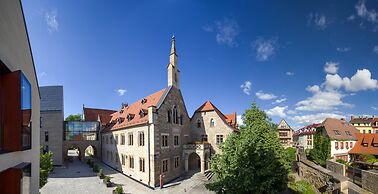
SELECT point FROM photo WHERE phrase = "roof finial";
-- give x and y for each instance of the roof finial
(173, 47)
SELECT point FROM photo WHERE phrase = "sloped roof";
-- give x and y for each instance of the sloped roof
(331, 124)
(369, 139)
(229, 119)
(365, 120)
(120, 118)
(373, 121)
(307, 130)
(283, 123)
(93, 114)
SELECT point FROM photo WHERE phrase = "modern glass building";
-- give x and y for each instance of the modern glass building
(81, 131)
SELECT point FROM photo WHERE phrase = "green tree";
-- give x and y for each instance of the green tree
(290, 154)
(74, 117)
(46, 165)
(322, 148)
(252, 161)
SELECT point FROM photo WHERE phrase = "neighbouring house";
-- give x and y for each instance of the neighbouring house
(342, 135)
(285, 134)
(363, 124)
(366, 144)
(374, 124)
(52, 117)
(304, 137)
(19, 104)
(155, 136)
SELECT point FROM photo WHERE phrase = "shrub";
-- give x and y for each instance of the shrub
(301, 187)
(119, 189)
(101, 173)
(341, 161)
(107, 179)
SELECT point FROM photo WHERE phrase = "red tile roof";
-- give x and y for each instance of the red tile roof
(373, 122)
(129, 115)
(92, 114)
(343, 127)
(307, 130)
(365, 144)
(228, 119)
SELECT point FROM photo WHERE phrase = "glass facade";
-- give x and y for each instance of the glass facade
(81, 131)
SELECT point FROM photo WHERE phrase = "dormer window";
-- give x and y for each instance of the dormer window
(337, 132)
(120, 120)
(348, 133)
(121, 111)
(143, 101)
(130, 117)
(142, 113)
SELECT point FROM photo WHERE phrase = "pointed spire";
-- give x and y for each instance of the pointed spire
(173, 47)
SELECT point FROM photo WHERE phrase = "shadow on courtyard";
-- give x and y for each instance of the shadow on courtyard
(74, 169)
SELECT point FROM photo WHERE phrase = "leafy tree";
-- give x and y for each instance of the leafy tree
(290, 155)
(252, 161)
(46, 165)
(322, 148)
(74, 117)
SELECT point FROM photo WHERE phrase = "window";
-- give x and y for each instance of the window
(369, 131)
(46, 136)
(141, 164)
(282, 134)
(363, 131)
(122, 139)
(131, 139)
(164, 141)
(81, 131)
(346, 145)
(177, 162)
(175, 116)
(164, 166)
(351, 144)
(204, 138)
(198, 123)
(116, 140)
(212, 122)
(219, 139)
(176, 140)
(181, 120)
(116, 157)
(26, 108)
(141, 139)
(336, 145)
(341, 145)
(169, 116)
(123, 159)
(337, 132)
(131, 162)
(348, 133)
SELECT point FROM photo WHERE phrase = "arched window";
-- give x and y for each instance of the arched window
(212, 122)
(198, 123)
(169, 116)
(175, 116)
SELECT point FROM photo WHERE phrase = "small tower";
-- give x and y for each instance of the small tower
(173, 71)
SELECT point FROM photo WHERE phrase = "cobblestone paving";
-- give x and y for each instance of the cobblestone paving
(77, 177)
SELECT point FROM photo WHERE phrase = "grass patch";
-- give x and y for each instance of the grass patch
(301, 187)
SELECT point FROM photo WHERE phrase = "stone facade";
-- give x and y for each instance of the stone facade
(336, 167)
(369, 181)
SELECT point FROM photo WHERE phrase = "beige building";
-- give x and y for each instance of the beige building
(285, 134)
(155, 135)
(363, 124)
(19, 105)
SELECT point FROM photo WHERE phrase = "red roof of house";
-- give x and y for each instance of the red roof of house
(307, 130)
(120, 118)
(229, 119)
(336, 125)
(92, 114)
(365, 144)
(373, 122)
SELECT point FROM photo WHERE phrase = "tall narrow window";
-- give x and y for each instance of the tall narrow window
(164, 141)
(116, 140)
(141, 165)
(169, 116)
(46, 136)
(198, 123)
(122, 139)
(141, 139)
(176, 140)
(212, 122)
(131, 139)
(164, 166)
(175, 115)
(123, 159)
(131, 162)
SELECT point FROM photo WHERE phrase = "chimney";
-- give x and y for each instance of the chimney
(124, 105)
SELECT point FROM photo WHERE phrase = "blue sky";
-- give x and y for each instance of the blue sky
(297, 60)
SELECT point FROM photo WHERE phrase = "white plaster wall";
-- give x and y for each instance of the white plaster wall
(334, 151)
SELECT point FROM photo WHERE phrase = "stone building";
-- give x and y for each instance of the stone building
(285, 134)
(156, 136)
(19, 104)
(52, 116)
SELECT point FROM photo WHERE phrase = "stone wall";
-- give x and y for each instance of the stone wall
(336, 167)
(370, 180)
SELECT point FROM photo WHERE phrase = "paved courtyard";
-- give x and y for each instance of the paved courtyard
(77, 177)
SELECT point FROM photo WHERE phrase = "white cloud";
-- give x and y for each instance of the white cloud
(375, 49)
(369, 15)
(319, 20)
(246, 87)
(291, 112)
(343, 49)
(289, 73)
(321, 100)
(51, 20)
(331, 67)
(265, 96)
(121, 92)
(226, 32)
(279, 101)
(314, 118)
(360, 81)
(265, 48)
(374, 108)
(239, 120)
(277, 111)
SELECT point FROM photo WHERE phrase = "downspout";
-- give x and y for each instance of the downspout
(148, 154)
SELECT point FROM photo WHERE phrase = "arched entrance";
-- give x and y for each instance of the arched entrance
(194, 162)
(73, 152)
(90, 151)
